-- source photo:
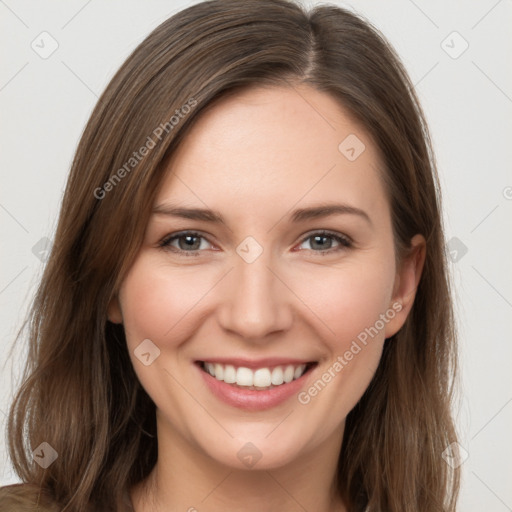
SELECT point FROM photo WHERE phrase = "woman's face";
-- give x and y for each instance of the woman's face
(264, 295)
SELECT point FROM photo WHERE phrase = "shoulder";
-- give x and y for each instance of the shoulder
(24, 498)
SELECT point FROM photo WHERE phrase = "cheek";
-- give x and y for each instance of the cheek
(350, 302)
(162, 303)
(157, 301)
(347, 299)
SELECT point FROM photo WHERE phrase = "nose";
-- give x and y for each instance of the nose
(255, 302)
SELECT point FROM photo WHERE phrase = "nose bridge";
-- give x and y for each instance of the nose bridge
(255, 302)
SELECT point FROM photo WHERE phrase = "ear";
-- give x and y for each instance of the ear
(406, 284)
(114, 314)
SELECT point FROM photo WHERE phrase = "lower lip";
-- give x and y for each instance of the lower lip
(251, 399)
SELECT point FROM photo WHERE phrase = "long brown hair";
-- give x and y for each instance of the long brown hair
(80, 393)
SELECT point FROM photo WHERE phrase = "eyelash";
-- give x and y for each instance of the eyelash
(344, 241)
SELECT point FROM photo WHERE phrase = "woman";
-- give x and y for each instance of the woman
(247, 304)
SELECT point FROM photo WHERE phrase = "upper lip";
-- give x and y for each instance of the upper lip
(266, 362)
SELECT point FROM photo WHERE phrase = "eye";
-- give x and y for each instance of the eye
(320, 240)
(189, 243)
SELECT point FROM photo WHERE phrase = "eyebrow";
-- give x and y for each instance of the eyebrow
(299, 215)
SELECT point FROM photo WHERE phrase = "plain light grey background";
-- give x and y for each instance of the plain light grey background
(458, 56)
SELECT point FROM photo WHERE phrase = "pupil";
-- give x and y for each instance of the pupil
(189, 242)
(316, 237)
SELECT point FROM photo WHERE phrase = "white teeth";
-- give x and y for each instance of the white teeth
(299, 371)
(262, 378)
(288, 373)
(219, 371)
(277, 376)
(244, 377)
(229, 374)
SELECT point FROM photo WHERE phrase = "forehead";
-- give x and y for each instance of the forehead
(275, 147)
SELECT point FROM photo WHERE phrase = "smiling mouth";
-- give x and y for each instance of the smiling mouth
(261, 379)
